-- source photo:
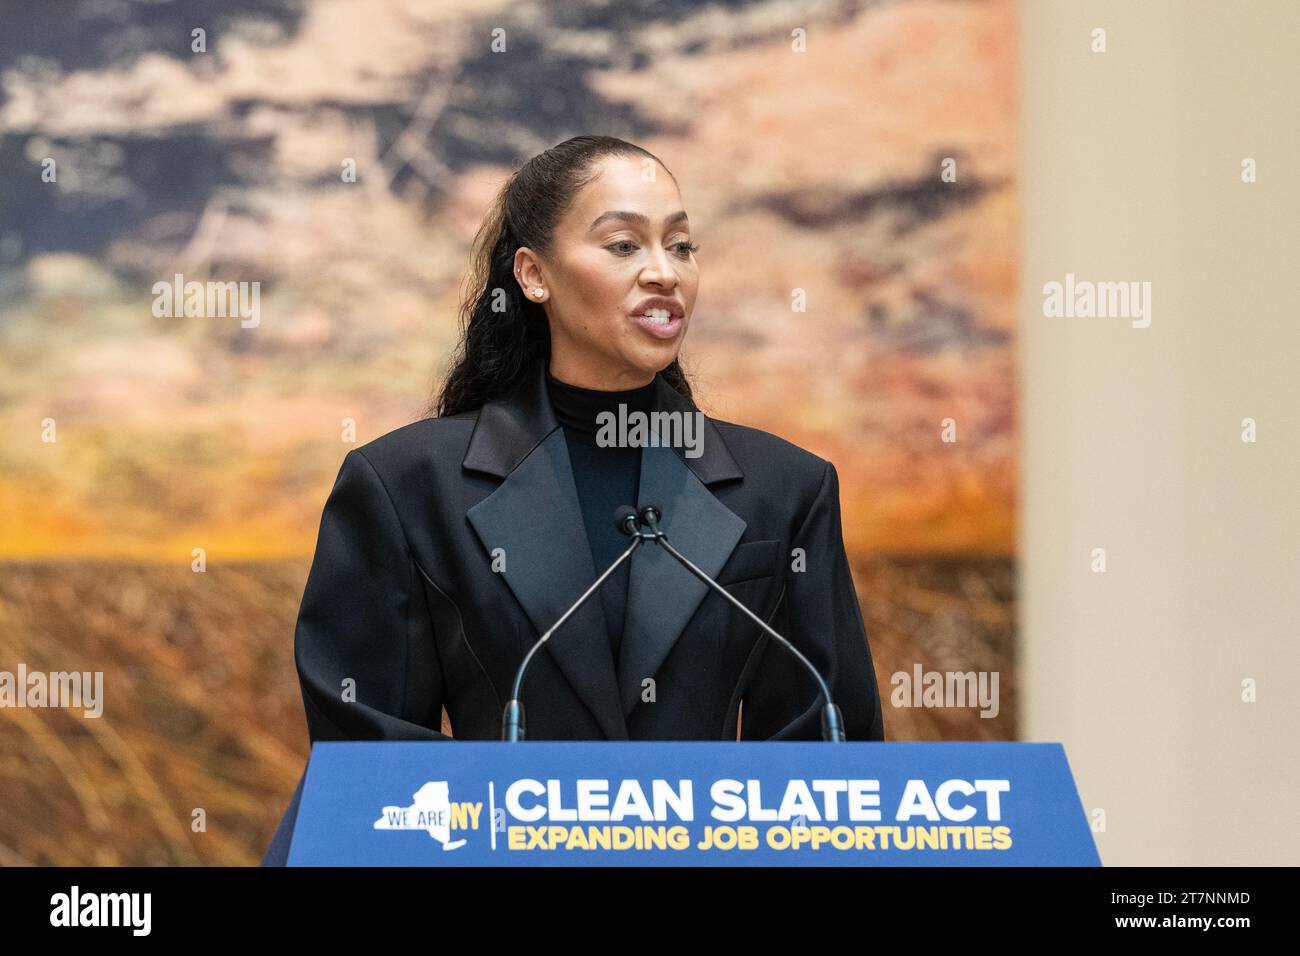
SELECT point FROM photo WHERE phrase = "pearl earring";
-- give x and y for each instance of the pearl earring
(538, 293)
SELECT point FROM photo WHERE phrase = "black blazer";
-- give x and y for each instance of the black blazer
(403, 614)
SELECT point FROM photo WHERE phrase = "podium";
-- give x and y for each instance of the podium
(684, 803)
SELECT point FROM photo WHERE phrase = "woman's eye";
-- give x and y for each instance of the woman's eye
(686, 247)
(623, 242)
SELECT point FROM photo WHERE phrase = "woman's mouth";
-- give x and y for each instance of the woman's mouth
(662, 321)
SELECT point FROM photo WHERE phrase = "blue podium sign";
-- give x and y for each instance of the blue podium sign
(678, 803)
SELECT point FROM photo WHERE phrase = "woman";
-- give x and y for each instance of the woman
(448, 545)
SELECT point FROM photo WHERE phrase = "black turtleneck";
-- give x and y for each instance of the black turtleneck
(606, 478)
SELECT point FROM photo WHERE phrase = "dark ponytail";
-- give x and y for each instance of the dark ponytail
(503, 333)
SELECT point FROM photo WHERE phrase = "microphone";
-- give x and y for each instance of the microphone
(512, 718)
(832, 721)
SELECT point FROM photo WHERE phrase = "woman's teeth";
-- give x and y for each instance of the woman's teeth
(658, 316)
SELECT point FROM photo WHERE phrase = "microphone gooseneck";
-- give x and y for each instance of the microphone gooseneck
(512, 718)
(832, 720)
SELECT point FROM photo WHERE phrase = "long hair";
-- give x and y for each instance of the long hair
(502, 333)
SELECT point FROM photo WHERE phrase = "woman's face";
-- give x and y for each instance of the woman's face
(620, 283)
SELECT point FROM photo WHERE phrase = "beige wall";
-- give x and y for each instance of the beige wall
(1132, 437)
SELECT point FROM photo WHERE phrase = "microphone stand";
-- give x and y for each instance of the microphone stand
(832, 721)
(512, 719)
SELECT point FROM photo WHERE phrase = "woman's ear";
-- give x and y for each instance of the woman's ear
(528, 273)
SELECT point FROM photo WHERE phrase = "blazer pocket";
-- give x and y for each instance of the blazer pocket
(750, 560)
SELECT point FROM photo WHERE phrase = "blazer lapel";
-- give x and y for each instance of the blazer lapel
(663, 595)
(535, 518)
